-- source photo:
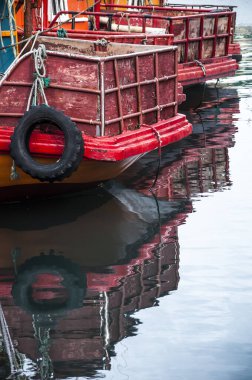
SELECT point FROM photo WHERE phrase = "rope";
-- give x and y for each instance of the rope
(120, 20)
(12, 23)
(201, 65)
(14, 174)
(157, 134)
(38, 86)
(10, 350)
(40, 81)
(202, 97)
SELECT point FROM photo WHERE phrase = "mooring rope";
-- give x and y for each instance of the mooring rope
(157, 134)
(9, 347)
(12, 25)
(201, 65)
(38, 88)
(39, 83)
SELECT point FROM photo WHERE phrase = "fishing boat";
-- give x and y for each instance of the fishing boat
(89, 111)
(186, 8)
(204, 35)
(94, 285)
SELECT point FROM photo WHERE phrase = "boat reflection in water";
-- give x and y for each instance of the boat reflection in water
(74, 271)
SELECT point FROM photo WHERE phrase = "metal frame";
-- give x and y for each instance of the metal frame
(186, 41)
(101, 92)
(130, 11)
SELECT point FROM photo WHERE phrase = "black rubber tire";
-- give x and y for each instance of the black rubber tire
(74, 281)
(73, 151)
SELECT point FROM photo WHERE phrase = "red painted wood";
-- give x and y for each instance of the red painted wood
(199, 34)
(114, 148)
(192, 73)
(185, 25)
(134, 85)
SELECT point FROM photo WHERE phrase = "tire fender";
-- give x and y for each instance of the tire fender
(73, 149)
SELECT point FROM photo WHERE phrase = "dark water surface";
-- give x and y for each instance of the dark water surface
(127, 283)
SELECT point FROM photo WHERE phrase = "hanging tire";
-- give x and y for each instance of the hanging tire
(73, 149)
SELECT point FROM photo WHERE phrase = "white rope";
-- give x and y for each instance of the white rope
(10, 350)
(201, 65)
(12, 23)
(39, 55)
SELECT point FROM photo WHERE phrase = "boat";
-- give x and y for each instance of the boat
(204, 35)
(88, 113)
(93, 287)
(234, 47)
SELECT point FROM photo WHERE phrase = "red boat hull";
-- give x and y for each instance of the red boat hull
(123, 98)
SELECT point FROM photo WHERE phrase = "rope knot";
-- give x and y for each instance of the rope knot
(40, 80)
(62, 33)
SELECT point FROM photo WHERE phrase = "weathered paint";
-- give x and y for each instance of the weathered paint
(200, 36)
(74, 67)
(214, 28)
(120, 98)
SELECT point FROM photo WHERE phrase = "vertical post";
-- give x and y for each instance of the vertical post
(233, 18)
(214, 168)
(187, 38)
(229, 38)
(45, 14)
(176, 82)
(187, 181)
(97, 8)
(102, 98)
(226, 165)
(201, 37)
(157, 85)
(28, 19)
(215, 35)
(119, 97)
(144, 25)
(139, 92)
(170, 27)
(200, 174)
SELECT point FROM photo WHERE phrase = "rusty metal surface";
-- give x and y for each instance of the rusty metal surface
(199, 34)
(99, 90)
